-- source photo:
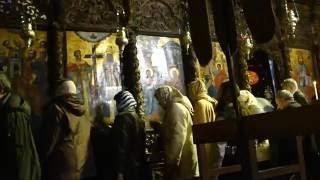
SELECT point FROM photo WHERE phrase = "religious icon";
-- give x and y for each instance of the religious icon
(26, 67)
(81, 73)
(94, 66)
(216, 72)
(160, 64)
(303, 71)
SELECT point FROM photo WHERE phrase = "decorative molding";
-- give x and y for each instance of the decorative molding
(10, 14)
(159, 16)
(93, 14)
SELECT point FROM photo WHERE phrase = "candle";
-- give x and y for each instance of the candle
(315, 89)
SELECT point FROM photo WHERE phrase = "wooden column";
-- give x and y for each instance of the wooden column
(241, 57)
(282, 38)
(56, 44)
(131, 72)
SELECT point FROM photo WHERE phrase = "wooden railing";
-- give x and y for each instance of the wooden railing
(283, 124)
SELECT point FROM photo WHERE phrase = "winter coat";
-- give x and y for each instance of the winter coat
(286, 148)
(180, 152)
(178, 139)
(18, 154)
(129, 146)
(101, 138)
(65, 137)
(204, 113)
(300, 98)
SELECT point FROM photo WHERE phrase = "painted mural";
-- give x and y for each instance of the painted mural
(93, 64)
(26, 67)
(216, 72)
(160, 64)
(303, 72)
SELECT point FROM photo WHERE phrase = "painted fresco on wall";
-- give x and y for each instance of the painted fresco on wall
(160, 64)
(216, 72)
(303, 72)
(93, 64)
(26, 67)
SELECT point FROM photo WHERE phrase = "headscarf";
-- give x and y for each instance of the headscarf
(197, 90)
(249, 104)
(125, 101)
(66, 88)
(167, 95)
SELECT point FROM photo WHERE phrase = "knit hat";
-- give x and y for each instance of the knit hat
(66, 88)
(125, 101)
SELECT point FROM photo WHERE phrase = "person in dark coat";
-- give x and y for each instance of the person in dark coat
(312, 142)
(101, 138)
(18, 154)
(65, 135)
(292, 86)
(129, 139)
(285, 149)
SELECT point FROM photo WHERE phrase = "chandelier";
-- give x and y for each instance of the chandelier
(28, 14)
(292, 18)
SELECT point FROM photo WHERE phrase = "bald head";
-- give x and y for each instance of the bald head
(284, 98)
(290, 85)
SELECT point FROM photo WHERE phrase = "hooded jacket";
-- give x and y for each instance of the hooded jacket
(204, 112)
(180, 152)
(203, 104)
(18, 154)
(65, 139)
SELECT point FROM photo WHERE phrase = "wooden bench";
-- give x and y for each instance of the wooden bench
(284, 124)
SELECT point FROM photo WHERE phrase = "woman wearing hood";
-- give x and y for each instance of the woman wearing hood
(129, 139)
(204, 106)
(251, 105)
(180, 152)
(65, 135)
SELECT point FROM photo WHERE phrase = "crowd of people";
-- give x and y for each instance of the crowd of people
(119, 150)
(62, 152)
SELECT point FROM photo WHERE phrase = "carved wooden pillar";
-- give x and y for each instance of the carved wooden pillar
(56, 44)
(131, 73)
(283, 39)
(241, 55)
(315, 37)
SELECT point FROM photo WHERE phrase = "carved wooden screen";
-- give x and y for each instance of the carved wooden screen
(157, 16)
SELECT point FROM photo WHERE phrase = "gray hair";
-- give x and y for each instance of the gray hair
(286, 95)
(290, 85)
(4, 83)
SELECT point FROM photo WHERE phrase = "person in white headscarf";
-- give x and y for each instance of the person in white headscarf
(250, 105)
(180, 152)
(65, 135)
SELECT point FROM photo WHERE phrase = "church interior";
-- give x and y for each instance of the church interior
(223, 89)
